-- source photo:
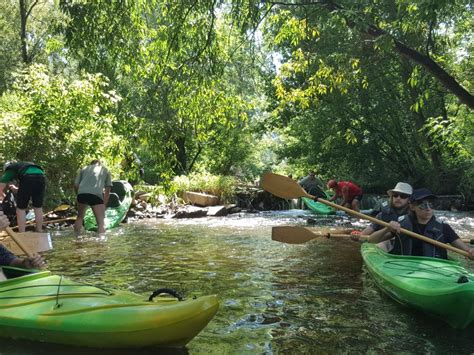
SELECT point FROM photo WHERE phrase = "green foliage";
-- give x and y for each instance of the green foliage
(60, 124)
(221, 186)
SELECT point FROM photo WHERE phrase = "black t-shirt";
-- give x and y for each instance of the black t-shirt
(449, 236)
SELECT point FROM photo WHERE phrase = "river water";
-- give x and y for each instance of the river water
(274, 297)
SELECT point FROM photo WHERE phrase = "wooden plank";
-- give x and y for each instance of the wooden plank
(200, 199)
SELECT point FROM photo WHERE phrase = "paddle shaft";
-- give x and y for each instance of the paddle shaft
(12, 235)
(291, 189)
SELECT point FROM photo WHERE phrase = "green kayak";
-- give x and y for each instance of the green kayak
(441, 288)
(119, 203)
(318, 207)
(39, 306)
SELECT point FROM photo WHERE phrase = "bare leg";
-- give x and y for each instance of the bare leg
(21, 220)
(355, 205)
(38, 218)
(99, 213)
(81, 211)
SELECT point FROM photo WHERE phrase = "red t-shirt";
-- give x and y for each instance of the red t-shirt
(354, 190)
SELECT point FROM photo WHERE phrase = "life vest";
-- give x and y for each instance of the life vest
(387, 214)
(434, 230)
(20, 167)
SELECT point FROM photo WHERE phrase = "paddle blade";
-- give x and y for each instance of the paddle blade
(283, 186)
(34, 242)
(292, 234)
(62, 208)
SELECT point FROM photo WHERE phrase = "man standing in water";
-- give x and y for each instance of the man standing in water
(93, 184)
(32, 184)
(312, 185)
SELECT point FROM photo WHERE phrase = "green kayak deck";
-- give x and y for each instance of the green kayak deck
(119, 203)
(441, 288)
(49, 308)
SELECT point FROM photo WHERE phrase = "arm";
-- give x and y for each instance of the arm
(2, 188)
(380, 236)
(107, 194)
(35, 262)
(7, 258)
(345, 195)
(458, 243)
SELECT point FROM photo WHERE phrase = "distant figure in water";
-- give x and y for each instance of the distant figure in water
(93, 184)
(312, 185)
(350, 193)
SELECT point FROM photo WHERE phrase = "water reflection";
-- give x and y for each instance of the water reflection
(275, 297)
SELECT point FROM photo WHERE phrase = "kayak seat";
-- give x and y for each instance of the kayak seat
(119, 189)
(114, 200)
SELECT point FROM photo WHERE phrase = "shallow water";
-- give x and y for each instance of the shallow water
(274, 297)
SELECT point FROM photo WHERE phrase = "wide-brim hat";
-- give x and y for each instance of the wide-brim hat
(401, 187)
(422, 194)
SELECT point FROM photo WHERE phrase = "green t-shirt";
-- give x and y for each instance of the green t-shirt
(9, 175)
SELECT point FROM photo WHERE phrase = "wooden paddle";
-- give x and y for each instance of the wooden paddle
(18, 241)
(287, 188)
(300, 235)
(60, 208)
(36, 242)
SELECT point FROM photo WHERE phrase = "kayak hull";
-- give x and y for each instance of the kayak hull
(49, 308)
(440, 288)
(114, 214)
(318, 207)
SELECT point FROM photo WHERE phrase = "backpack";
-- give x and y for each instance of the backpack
(8, 207)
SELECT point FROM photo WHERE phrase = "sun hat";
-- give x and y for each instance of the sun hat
(401, 187)
(422, 194)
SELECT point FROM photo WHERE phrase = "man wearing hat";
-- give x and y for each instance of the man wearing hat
(397, 206)
(421, 220)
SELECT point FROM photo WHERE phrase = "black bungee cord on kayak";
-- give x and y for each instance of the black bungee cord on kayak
(168, 291)
(57, 305)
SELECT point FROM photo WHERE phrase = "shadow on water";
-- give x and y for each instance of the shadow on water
(274, 297)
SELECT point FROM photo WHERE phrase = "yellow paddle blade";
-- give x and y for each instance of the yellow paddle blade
(283, 186)
(34, 242)
(62, 208)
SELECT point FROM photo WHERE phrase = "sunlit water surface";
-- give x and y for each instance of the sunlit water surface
(274, 297)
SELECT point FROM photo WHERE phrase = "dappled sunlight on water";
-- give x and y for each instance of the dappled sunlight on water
(274, 297)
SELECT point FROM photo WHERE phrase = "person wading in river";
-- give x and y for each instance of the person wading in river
(312, 185)
(350, 193)
(93, 184)
(32, 185)
(420, 220)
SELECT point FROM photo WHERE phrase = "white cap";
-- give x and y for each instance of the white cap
(401, 187)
